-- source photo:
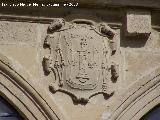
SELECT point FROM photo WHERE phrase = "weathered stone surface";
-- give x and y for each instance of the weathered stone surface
(81, 65)
(137, 22)
(27, 59)
(18, 31)
(140, 63)
(74, 58)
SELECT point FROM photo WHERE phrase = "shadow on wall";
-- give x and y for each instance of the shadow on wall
(136, 41)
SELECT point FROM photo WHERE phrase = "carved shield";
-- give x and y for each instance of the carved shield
(79, 58)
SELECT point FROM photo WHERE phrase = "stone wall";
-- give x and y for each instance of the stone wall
(90, 62)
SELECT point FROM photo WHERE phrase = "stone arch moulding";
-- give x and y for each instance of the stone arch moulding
(21, 93)
(140, 97)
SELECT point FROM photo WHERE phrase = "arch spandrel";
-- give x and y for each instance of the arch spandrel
(139, 98)
(23, 93)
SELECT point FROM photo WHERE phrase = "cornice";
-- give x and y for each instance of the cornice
(151, 4)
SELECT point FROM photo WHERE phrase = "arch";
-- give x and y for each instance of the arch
(153, 114)
(139, 98)
(21, 91)
(7, 112)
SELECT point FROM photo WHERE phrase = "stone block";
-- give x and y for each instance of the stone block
(137, 23)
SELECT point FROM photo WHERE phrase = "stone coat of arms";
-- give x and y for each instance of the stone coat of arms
(79, 58)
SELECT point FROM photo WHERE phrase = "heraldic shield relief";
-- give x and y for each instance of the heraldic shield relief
(79, 58)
